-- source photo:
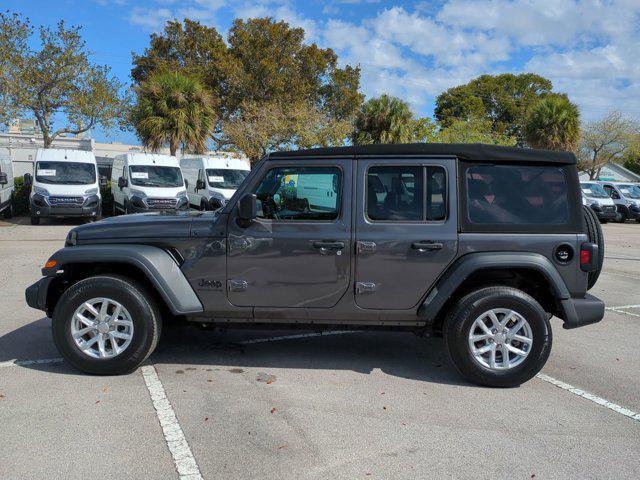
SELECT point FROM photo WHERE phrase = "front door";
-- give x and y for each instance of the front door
(406, 229)
(297, 252)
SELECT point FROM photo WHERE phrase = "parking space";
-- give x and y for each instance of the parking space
(294, 404)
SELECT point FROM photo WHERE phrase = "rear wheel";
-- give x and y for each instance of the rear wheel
(594, 234)
(498, 337)
(106, 325)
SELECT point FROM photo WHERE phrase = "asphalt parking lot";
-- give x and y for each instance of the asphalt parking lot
(255, 404)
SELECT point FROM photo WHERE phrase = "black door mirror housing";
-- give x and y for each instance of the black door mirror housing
(200, 184)
(28, 179)
(3, 178)
(247, 208)
(103, 181)
(122, 182)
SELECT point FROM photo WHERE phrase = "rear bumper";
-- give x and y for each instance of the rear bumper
(36, 294)
(579, 312)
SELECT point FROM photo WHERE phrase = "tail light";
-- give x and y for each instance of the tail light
(588, 257)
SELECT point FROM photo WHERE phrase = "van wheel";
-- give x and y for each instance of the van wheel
(203, 205)
(498, 337)
(35, 220)
(127, 209)
(594, 234)
(8, 212)
(106, 325)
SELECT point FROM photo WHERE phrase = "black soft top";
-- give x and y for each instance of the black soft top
(473, 152)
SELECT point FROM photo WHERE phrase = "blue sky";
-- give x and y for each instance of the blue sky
(414, 50)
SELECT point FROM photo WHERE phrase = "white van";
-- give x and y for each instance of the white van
(66, 184)
(597, 198)
(212, 181)
(146, 182)
(6, 186)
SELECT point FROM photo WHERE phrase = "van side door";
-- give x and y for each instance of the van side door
(406, 229)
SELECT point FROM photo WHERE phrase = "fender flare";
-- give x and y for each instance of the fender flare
(467, 265)
(156, 264)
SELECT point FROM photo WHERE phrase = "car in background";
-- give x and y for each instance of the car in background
(626, 196)
(597, 198)
(144, 182)
(66, 184)
(212, 181)
(6, 186)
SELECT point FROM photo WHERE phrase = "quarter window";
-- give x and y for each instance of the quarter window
(300, 193)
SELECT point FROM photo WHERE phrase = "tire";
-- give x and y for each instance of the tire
(143, 312)
(622, 216)
(203, 206)
(127, 209)
(35, 220)
(8, 212)
(462, 317)
(594, 234)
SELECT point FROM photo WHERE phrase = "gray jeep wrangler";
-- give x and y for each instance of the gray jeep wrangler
(479, 244)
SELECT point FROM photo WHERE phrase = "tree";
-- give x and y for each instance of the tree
(173, 109)
(504, 100)
(473, 130)
(263, 65)
(56, 82)
(553, 123)
(631, 157)
(604, 141)
(387, 119)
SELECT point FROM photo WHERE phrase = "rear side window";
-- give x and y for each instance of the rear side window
(517, 195)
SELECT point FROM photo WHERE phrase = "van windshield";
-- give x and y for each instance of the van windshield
(66, 173)
(593, 190)
(630, 191)
(225, 177)
(155, 176)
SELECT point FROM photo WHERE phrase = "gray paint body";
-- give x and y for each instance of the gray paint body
(271, 271)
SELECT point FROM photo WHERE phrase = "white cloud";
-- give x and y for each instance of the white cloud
(150, 18)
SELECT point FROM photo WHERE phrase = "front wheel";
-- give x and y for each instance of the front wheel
(106, 325)
(498, 337)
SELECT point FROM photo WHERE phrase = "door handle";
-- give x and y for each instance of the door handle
(328, 245)
(427, 245)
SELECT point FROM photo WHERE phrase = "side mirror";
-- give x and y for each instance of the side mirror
(247, 207)
(122, 182)
(103, 181)
(200, 184)
(28, 179)
(3, 178)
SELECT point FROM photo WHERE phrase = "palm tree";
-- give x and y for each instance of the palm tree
(385, 119)
(173, 109)
(553, 123)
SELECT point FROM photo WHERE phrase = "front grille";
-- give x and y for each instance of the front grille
(66, 201)
(609, 208)
(161, 203)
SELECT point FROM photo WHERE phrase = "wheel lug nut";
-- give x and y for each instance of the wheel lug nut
(494, 331)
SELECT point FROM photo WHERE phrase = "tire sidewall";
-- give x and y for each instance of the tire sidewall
(474, 305)
(142, 314)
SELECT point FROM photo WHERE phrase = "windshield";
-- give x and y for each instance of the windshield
(630, 191)
(594, 190)
(226, 178)
(155, 176)
(66, 173)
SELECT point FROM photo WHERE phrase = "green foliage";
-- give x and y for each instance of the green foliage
(173, 109)
(504, 100)
(473, 130)
(387, 119)
(56, 80)
(265, 66)
(553, 123)
(20, 197)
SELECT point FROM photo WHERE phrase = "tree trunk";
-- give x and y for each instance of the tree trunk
(173, 148)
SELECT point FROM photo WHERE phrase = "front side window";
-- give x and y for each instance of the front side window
(155, 176)
(226, 177)
(594, 190)
(516, 195)
(66, 173)
(300, 193)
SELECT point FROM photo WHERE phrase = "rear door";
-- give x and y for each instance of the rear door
(406, 229)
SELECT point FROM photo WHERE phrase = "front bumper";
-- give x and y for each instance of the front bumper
(40, 206)
(36, 294)
(606, 212)
(579, 312)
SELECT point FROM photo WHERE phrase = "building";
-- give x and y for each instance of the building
(614, 172)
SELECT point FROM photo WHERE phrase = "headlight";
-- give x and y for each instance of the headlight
(91, 191)
(595, 204)
(182, 193)
(41, 191)
(138, 193)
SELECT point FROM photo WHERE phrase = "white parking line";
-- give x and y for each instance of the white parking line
(589, 396)
(291, 337)
(623, 309)
(22, 363)
(183, 459)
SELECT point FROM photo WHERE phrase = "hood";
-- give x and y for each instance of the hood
(601, 201)
(66, 190)
(227, 193)
(158, 192)
(128, 228)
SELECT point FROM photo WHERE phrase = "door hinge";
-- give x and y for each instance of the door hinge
(366, 247)
(237, 285)
(364, 288)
